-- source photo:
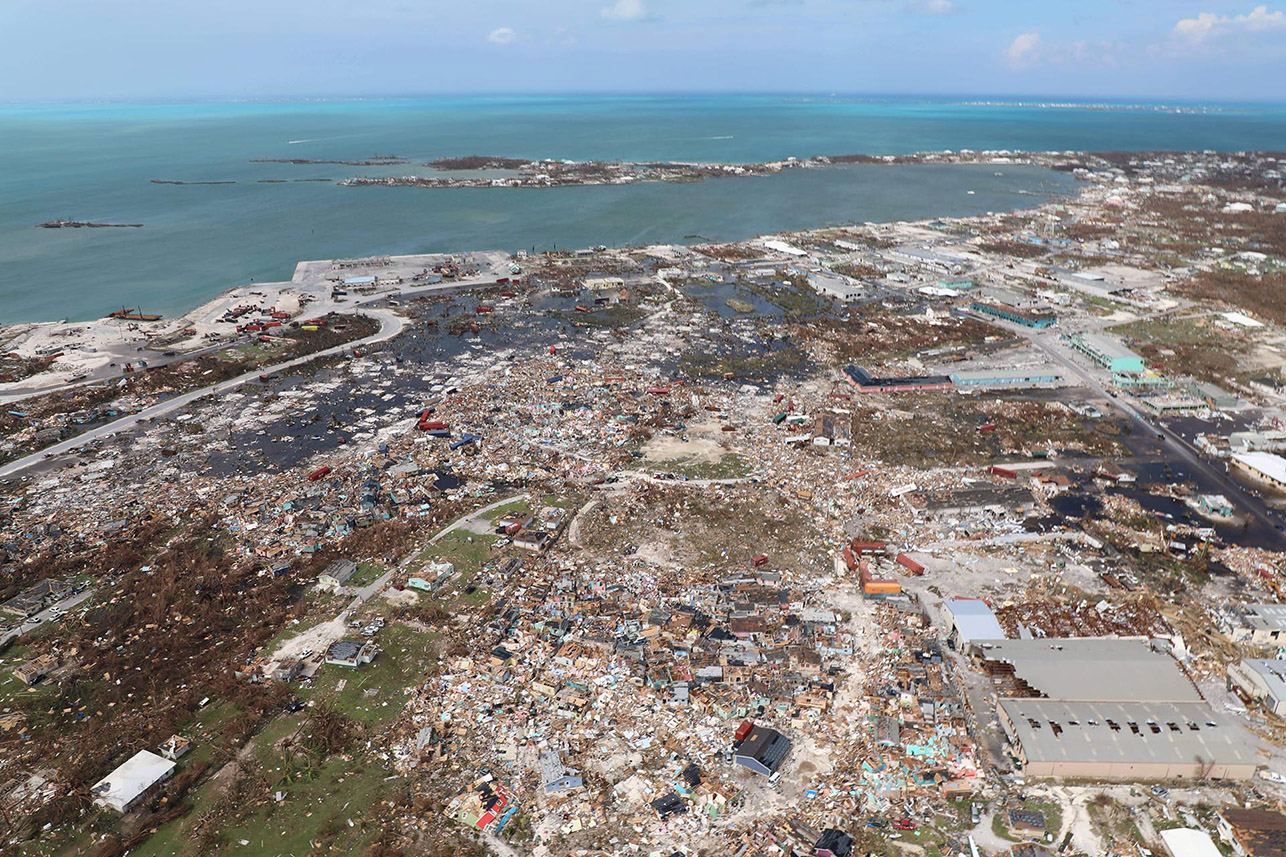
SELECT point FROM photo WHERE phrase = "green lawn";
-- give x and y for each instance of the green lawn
(465, 550)
(501, 511)
(317, 804)
(316, 810)
(373, 693)
(367, 572)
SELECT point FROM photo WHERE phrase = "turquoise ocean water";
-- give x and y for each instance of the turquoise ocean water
(95, 162)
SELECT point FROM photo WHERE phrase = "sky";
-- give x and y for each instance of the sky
(1213, 50)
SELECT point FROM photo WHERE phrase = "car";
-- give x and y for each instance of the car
(171, 354)
(904, 824)
(293, 706)
(1160, 791)
(877, 822)
(35, 620)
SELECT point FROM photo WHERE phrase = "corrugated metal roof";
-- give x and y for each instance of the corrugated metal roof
(1167, 733)
(1075, 669)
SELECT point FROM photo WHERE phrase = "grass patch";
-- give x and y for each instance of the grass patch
(367, 572)
(461, 548)
(317, 809)
(501, 511)
(373, 694)
(729, 466)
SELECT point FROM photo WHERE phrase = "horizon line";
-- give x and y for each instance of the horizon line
(1140, 100)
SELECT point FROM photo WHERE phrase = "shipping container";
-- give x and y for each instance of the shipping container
(911, 565)
(1005, 472)
(760, 561)
(319, 473)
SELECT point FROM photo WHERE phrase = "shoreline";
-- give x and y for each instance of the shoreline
(92, 351)
(965, 157)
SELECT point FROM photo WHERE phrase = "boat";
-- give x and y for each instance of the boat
(134, 315)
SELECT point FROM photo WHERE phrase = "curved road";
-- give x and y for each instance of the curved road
(390, 326)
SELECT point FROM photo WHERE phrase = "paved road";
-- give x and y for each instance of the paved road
(21, 390)
(103, 374)
(1050, 343)
(44, 616)
(390, 326)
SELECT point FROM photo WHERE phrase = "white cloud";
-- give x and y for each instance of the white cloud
(626, 10)
(1208, 24)
(1029, 50)
(502, 36)
(931, 7)
(1023, 50)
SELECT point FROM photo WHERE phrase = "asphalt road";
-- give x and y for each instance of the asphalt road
(1177, 445)
(44, 616)
(390, 326)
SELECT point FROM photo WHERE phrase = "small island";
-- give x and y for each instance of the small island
(85, 224)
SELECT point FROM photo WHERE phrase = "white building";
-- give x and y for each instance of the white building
(1186, 842)
(1264, 680)
(1264, 466)
(122, 789)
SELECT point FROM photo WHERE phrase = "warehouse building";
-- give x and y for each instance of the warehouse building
(1214, 396)
(1073, 669)
(1148, 722)
(865, 382)
(1264, 466)
(1174, 404)
(1033, 376)
(1125, 740)
(1107, 352)
(1034, 318)
(1262, 625)
(1261, 680)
